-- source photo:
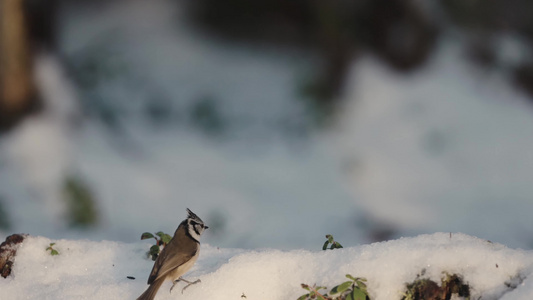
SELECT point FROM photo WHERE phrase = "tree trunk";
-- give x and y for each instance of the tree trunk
(17, 88)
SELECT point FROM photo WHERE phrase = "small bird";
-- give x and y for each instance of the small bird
(178, 256)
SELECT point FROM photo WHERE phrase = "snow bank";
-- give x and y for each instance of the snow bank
(99, 270)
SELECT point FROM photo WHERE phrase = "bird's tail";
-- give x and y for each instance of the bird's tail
(150, 292)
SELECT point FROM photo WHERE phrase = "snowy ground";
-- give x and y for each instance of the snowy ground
(444, 149)
(99, 270)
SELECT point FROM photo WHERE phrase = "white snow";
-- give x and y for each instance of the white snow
(443, 149)
(98, 270)
(38, 152)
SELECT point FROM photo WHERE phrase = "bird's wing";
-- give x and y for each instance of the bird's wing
(167, 262)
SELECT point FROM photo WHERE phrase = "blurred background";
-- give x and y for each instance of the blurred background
(275, 121)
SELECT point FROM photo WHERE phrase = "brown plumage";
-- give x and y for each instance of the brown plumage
(178, 256)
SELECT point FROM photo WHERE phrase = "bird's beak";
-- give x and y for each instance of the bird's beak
(205, 227)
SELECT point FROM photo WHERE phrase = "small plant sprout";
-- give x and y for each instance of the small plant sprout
(161, 240)
(330, 240)
(52, 250)
(313, 292)
(353, 289)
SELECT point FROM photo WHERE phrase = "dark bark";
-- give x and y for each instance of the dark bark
(18, 95)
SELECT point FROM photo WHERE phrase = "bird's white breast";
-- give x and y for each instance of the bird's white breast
(179, 271)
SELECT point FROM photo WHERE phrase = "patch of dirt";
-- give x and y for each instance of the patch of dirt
(8, 250)
(426, 289)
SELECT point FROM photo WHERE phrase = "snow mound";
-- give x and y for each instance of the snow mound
(100, 270)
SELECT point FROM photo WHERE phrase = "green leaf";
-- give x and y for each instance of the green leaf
(358, 294)
(320, 297)
(336, 245)
(303, 297)
(361, 284)
(350, 277)
(159, 233)
(154, 250)
(349, 296)
(341, 288)
(305, 286)
(146, 235)
(51, 244)
(54, 252)
(165, 238)
(325, 247)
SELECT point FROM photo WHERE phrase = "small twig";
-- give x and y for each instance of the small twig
(318, 294)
